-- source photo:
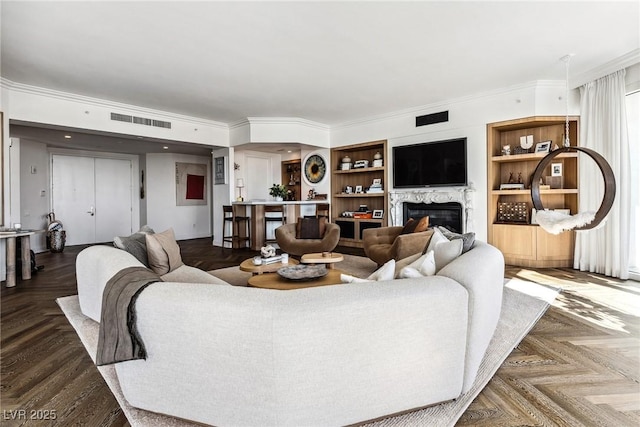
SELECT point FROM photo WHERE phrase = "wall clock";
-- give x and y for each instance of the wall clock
(315, 169)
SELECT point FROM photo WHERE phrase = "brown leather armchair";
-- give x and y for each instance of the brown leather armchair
(286, 238)
(385, 243)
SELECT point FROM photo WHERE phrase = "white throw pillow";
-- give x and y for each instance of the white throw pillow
(436, 239)
(385, 272)
(423, 266)
(446, 252)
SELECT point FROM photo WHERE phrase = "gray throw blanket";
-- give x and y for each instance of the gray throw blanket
(118, 338)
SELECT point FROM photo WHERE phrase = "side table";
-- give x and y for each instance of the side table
(249, 266)
(327, 258)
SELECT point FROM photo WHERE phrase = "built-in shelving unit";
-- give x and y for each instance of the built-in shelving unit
(291, 173)
(341, 202)
(523, 243)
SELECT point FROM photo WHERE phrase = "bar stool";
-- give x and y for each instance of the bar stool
(235, 238)
(278, 214)
(322, 209)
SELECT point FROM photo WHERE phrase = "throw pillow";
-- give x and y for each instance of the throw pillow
(163, 252)
(386, 272)
(135, 244)
(468, 239)
(311, 228)
(436, 238)
(415, 226)
(446, 252)
(423, 266)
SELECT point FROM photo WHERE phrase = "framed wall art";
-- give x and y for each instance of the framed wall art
(220, 170)
(191, 184)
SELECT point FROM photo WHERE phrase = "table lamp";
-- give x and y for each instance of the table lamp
(240, 185)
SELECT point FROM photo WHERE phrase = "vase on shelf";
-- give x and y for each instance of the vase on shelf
(278, 199)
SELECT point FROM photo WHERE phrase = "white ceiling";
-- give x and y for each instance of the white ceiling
(330, 62)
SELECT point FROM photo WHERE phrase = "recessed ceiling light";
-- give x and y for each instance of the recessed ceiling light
(288, 151)
(165, 147)
(67, 136)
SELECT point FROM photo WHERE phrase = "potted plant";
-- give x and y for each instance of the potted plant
(278, 191)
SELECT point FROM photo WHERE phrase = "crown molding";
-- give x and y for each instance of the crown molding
(288, 121)
(427, 108)
(121, 107)
(617, 64)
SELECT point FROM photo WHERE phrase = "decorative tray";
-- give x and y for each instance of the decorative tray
(303, 272)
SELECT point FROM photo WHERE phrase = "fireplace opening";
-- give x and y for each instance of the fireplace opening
(447, 215)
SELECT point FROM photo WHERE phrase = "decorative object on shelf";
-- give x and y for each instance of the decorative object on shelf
(278, 191)
(377, 160)
(376, 186)
(543, 147)
(346, 163)
(512, 186)
(348, 189)
(378, 214)
(513, 212)
(267, 251)
(236, 166)
(315, 169)
(526, 142)
(240, 185)
(555, 222)
(361, 164)
(556, 169)
(358, 189)
(312, 194)
(506, 150)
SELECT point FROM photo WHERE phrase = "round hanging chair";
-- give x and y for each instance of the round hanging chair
(607, 174)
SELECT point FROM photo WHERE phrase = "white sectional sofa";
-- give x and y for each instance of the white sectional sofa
(329, 355)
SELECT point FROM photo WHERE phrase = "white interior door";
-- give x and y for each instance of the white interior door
(73, 197)
(113, 199)
(259, 177)
(92, 198)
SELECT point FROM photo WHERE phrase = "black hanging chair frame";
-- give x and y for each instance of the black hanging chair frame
(607, 175)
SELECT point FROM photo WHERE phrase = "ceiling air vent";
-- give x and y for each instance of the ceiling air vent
(430, 119)
(140, 120)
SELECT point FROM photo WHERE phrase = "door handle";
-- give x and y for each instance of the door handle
(91, 211)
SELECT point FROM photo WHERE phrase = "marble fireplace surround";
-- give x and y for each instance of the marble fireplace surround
(462, 195)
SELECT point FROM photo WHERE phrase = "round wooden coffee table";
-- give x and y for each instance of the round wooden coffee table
(248, 265)
(275, 281)
(327, 258)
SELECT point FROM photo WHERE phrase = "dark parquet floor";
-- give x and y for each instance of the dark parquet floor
(579, 365)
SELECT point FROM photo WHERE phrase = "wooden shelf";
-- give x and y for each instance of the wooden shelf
(529, 157)
(528, 192)
(358, 195)
(360, 170)
(352, 228)
(522, 244)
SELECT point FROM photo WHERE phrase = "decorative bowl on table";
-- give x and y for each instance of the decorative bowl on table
(303, 271)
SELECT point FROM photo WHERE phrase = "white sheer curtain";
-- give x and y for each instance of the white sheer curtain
(603, 128)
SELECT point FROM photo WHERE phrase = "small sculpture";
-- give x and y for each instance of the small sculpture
(267, 251)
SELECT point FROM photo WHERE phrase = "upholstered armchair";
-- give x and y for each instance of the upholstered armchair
(286, 239)
(385, 243)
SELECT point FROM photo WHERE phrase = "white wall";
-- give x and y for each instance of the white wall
(188, 222)
(223, 194)
(34, 190)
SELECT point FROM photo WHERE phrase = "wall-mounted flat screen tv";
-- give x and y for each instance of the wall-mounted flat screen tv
(430, 164)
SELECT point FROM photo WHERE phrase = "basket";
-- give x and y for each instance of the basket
(513, 212)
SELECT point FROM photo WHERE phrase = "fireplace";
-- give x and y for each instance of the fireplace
(437, 202)
(447, 215)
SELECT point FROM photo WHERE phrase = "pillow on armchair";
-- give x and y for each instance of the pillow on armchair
(311, 228)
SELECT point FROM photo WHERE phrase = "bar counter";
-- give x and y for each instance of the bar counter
(294, 210)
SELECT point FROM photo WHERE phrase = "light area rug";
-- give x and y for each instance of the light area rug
(523, 305)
